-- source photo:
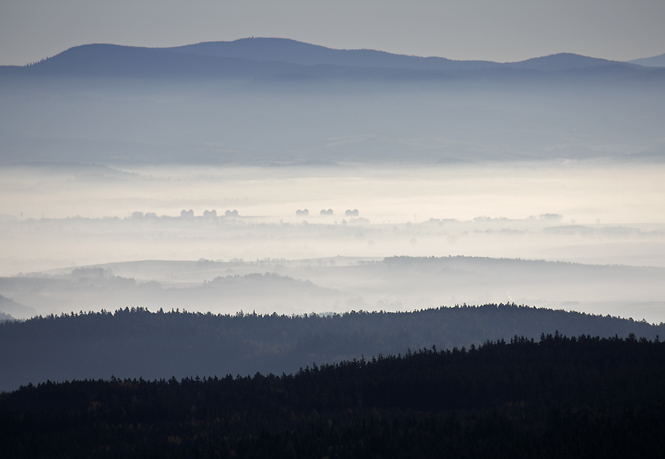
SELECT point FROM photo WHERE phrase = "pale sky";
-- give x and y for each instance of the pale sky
(499, 30)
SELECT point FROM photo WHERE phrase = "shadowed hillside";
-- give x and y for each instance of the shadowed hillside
(557, 397)
(135, 342)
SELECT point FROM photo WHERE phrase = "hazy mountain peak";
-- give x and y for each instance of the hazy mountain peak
(655, 61)
(561, 61)
(109, 60)
(271, 57)
(9, 307)
(296, 52)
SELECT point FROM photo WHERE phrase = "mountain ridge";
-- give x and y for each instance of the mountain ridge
(653, 61)
(269, 57)
(295, 52)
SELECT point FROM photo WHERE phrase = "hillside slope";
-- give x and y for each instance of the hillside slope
(136, 343)
(557, 397)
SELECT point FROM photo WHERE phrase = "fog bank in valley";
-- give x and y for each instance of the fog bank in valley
(186, 178)
(568, 212)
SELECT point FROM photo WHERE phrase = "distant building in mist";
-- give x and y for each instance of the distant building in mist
(352, 213)
(210, 213)
(231, 213)
(137, 215)
(302, 213)
(551, 217)
(326, 212)
(187, 213)
(150, 215)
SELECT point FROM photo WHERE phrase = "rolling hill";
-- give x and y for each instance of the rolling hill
(557, 397)
(263, 57)
(132, 343)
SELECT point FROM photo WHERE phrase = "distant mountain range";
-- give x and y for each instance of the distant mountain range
(352, 106)
(268, 57)
(294, 52)
(655, 61)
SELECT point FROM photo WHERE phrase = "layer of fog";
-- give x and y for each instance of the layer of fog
(570, 212)
(94, 172)
(338, 284)
(62, 219)
(122, 121)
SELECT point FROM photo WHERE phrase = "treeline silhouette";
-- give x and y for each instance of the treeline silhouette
(555, 397)
(138, 343)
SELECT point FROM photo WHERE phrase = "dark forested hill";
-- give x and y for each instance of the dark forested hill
(556, 397)
(137, 343)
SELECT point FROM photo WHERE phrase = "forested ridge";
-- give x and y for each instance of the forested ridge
(138, 343)
(552, 397)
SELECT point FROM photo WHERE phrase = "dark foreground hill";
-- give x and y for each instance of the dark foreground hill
(134, 343)
(559, 397)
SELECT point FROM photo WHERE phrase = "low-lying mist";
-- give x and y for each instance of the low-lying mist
(302, 239)
(527, 117)
(57, 217)
(288, 194)
(336, 285)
